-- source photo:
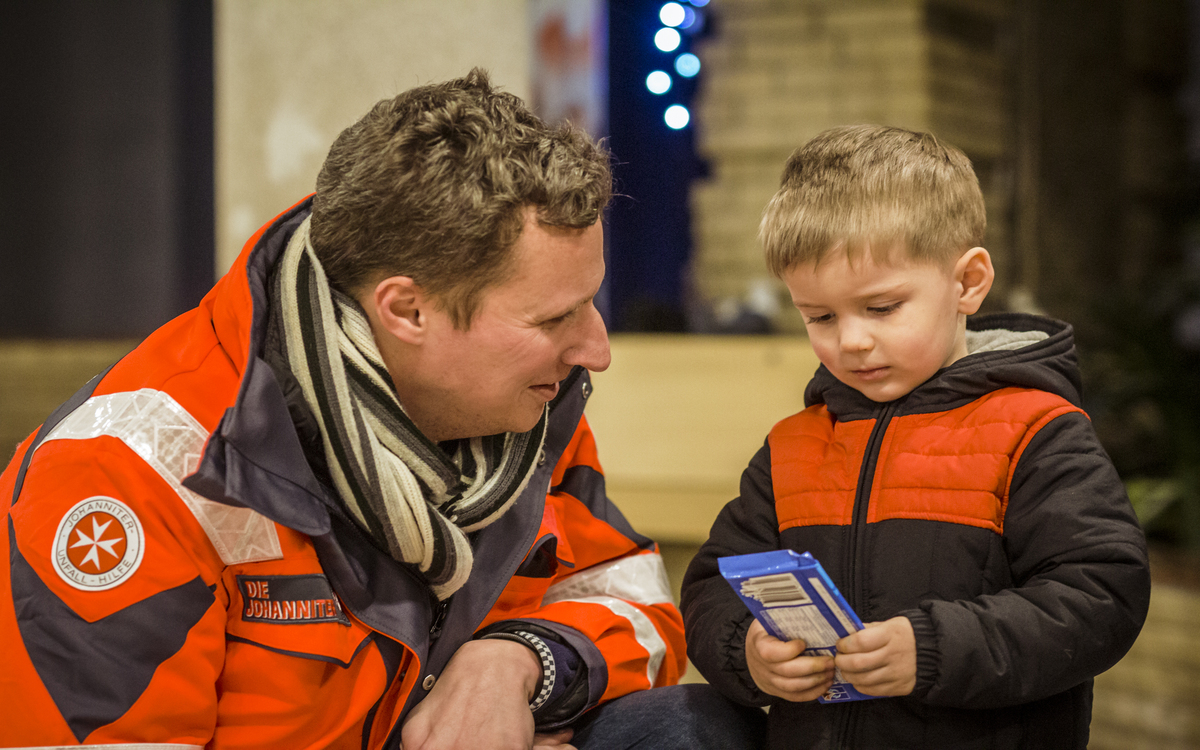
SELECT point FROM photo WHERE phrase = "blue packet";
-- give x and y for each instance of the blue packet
(793, 597)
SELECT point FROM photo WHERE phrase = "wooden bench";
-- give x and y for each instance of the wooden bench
(678, 417)
(37, 376)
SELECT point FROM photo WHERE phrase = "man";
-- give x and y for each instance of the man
(351, 500)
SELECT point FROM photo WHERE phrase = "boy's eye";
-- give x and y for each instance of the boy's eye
(814, 319)
(884, 309)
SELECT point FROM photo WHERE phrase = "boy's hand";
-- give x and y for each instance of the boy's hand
(778, 668)
(880, 659)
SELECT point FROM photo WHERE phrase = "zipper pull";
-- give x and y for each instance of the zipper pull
(439, 616)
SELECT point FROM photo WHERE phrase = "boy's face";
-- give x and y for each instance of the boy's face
(883, 329)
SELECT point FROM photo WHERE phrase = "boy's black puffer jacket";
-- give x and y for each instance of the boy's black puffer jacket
(980, 506)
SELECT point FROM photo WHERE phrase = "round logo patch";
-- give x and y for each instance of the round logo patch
(99, 544)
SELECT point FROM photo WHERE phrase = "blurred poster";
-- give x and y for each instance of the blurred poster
(570, 62)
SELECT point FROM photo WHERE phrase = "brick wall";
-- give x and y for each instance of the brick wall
(778, 72)
(1151, 699)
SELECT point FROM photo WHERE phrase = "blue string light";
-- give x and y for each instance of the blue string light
(667, 40)
(672, 14)
(659, 82)
(677, 116)
(687, 65)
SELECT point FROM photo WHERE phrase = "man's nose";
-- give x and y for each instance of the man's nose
(591, 348)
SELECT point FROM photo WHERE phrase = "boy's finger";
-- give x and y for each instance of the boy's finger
(882, 681)
(804, 689)
(805, 666)
(850, 663)
(870, 638)
(776, 651)
(771, 648)
(860, 663)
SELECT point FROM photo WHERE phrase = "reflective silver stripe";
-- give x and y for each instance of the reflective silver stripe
(639, 578)
(170, 441)
(126, 746)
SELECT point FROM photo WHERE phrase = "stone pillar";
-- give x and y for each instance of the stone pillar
(291, 74)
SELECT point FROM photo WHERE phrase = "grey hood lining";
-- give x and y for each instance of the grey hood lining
(1002, 340)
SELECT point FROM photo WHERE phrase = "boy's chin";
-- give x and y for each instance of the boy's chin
(880, 393)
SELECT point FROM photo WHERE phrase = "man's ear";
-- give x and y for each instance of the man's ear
(398, 305)
(975, 274)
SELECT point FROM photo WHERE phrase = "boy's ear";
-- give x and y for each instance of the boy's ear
(397, 303)
(975, 274)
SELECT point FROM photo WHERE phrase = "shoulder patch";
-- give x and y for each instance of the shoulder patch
(99, 544)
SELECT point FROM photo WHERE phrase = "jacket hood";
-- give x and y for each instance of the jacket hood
(1005, 350)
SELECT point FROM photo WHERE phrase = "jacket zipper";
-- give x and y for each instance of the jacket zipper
(439, 617)
(862, 498)
(392, 740)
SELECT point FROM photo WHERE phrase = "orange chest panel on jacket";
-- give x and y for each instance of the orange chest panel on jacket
(953, 466)
(299, 670)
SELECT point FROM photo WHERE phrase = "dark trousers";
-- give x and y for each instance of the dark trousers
(681, 717)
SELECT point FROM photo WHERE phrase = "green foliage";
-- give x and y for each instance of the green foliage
(1142, 380)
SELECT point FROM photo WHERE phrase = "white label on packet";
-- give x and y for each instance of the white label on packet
(777, 590)
(803, 622)
(833, 606)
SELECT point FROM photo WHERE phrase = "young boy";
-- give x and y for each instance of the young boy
(943, 473)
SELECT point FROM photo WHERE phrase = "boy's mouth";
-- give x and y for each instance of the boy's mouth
(870, 373)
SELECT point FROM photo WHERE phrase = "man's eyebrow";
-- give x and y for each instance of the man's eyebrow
(566, 312)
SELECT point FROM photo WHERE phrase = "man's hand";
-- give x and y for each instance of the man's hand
(778, 668)
(481, 701)
(557, 741)
(880, 659)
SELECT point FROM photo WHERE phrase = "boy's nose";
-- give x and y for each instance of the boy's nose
(854, 337)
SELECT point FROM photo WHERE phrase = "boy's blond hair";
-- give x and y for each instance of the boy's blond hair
(870, 187)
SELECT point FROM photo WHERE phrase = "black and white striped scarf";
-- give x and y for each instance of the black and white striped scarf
(416, 500)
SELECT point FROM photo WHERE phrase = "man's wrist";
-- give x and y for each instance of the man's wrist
(532, 666)
(547, 666)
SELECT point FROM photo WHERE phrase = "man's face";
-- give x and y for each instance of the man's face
(526, 335)
(880, 329)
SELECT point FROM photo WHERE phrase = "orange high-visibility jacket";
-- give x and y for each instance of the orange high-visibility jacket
(174, 573)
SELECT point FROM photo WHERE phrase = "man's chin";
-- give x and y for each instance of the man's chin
(518, 423)
(545, 392)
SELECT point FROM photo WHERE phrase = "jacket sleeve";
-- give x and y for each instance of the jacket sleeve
(107, 615)
(715, 618)
(597, 585)
(1079, 590)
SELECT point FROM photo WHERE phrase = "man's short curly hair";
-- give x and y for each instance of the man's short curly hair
(876, 188)
(434, 184)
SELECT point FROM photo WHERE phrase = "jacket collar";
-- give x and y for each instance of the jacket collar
(1049, 363)
(253, 458)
